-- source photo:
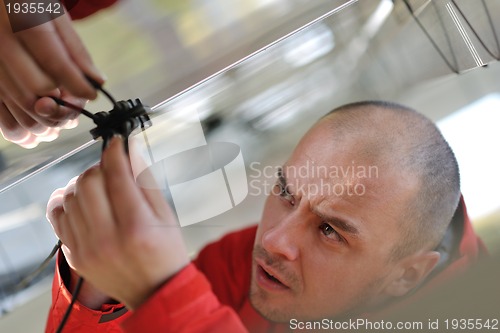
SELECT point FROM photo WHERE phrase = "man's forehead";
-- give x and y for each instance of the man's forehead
(330, 183)
(335, 167)
(354, 207)
(356, 187)
(323, 156)
(328, 145)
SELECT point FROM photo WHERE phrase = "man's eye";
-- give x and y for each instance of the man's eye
(329, 232)
(283, 192)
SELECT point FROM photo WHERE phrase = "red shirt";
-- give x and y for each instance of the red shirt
(211, 294)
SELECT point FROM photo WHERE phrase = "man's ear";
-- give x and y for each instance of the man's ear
(411, 271)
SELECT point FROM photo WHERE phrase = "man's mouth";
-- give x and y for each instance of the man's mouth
(272, 277)
(267, 279)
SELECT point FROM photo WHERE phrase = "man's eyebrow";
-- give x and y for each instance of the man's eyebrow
(282, 177)
(340, 223)
(281, 173)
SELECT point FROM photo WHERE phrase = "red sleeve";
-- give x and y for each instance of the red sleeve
(186, 304)
(81, 319)
(82, 8)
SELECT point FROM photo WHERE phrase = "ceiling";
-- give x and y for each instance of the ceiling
(359, 50)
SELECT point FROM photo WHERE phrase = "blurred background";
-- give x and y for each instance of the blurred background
(259, 73)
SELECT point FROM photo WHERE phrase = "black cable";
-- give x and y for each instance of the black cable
(99, 87)
(65, 318)
(26, 281)
(474, 30)
(492, 26)
(74, 107)
(447, 36)
(408, 6)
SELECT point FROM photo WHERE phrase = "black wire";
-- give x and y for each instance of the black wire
(65, 318)
(108, 95)
(447, 36)
(26, 281)
(74, 107)
(430, 38)
(474, 30)
(492, 27)
(89, 114)
(97, 86)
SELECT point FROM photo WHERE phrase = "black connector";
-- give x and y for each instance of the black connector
(125, 117)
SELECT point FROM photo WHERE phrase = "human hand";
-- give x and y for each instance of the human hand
(46, 60)
(88, 295)
(122, 239)
(19, 127)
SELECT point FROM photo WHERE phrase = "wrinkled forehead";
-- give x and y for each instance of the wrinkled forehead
(329, 172)
(332, 167)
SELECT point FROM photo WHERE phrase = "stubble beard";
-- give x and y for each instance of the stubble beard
(262, 301)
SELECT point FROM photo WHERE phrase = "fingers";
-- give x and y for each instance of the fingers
(21, 129)
(46, 60)
(24, 119)
(46, 111)
(145, 179)
(55, 59)
(54, 209)
(72, 225)
(22, 67)
(94, 206)
(27, 129)
(120, 183)
(8, 88)
(76, 49)
(66, 234)
(47, 108)
(10, 124)
(11, 130)
(59, 219)
(55, 203)
(104, 200)
(81, 217)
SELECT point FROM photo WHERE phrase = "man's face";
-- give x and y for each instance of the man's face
(323, 245)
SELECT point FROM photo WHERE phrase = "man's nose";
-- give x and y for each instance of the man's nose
(286, 237)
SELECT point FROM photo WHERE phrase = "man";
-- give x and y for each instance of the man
(330, 243)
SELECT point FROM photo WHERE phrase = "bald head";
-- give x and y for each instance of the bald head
(398, 138)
